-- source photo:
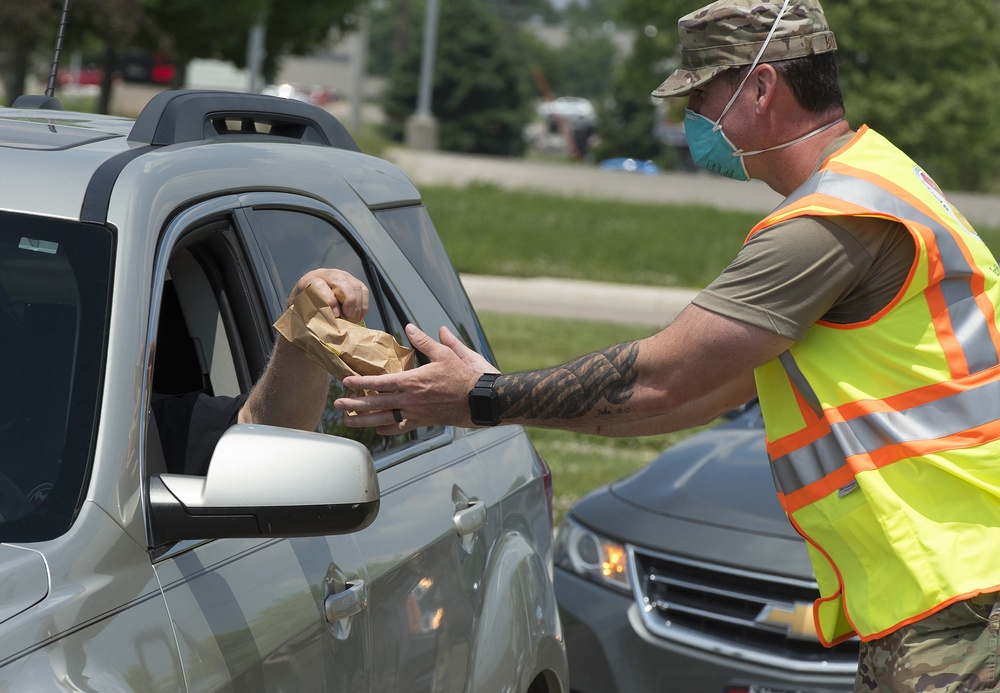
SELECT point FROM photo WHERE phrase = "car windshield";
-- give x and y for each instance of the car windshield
(54, 284)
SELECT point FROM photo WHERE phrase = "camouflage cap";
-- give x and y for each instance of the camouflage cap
(730, 33)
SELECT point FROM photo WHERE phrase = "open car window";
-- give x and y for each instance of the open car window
(211, 343)
(297, 242)
(55, 278)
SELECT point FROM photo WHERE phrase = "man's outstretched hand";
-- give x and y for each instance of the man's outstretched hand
(435, 394)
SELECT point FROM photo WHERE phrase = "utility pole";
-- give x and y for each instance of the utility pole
(422, 126)
(255, 54)
(359, 67)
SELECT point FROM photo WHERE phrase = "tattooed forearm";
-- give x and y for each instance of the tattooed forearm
(572, 390)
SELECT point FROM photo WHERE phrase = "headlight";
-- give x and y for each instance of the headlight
(592, 556)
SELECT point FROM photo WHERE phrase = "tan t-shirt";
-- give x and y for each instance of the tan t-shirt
(788, 276)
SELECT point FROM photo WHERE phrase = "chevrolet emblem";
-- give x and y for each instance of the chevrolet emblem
(796, 619)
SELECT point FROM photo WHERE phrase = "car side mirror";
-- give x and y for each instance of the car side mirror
(266, 481)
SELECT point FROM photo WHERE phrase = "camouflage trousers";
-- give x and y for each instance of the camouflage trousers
(953, 651)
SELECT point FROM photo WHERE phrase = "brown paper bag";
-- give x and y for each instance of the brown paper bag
(340, 346)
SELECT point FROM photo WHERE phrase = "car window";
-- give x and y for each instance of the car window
(55, 278)
(412, 230)
(211, 339)
(297, 243)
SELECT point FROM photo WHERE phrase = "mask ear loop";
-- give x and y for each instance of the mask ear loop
(718, 123)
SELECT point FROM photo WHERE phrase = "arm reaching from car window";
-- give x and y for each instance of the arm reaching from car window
(292, 390)
(687, 374)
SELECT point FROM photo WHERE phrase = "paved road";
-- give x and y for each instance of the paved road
(560, 298)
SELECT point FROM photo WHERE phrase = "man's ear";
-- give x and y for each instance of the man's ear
(765, 83)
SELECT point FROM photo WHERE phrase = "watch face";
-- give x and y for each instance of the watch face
(483, 405)
(484, 408)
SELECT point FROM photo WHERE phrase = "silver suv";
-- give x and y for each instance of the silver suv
(150, 258)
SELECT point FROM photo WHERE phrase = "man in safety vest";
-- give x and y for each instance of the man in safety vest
(863, 312)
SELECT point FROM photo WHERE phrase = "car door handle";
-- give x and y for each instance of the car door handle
(470, 519)
(343, 605)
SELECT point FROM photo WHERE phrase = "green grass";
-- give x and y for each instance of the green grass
(580, 463)
(524, 234)
(370, 139)
(527, 234)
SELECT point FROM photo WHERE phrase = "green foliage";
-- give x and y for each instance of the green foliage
(627, 119)
(388, 34)
(928, 78)
(222, 26)
(24, 27)
(480, 86)
(583, 67)
(590, 12)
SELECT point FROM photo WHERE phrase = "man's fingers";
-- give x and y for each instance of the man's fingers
(346, 295)
(382, 421)
(418, 337)
(426, 344)
(381, 384)
(473, 359)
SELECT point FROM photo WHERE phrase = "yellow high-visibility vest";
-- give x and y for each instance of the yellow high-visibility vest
(884, 435)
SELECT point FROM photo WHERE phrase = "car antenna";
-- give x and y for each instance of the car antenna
(51, 89)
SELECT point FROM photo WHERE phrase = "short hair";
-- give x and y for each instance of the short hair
(813, 80)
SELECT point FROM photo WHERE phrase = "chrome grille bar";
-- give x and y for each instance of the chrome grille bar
(719, 610)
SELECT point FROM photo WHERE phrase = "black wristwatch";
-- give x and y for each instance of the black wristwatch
(484, 403)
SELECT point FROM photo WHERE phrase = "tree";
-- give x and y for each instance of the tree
(24, 29)
(389, 34)
(480, 85)
(628, 118)
(107, 27)
(926, 79)
(188, 29)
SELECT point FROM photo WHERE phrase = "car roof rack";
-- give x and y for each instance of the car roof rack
(172, 117)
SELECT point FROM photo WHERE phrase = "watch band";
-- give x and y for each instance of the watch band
(484, 404)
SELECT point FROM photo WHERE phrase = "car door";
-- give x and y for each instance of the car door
(426, 551)
(248, 614)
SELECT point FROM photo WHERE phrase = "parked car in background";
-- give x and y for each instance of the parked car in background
(152, 257)
(687, 576)
(147, 68)
(315, 94)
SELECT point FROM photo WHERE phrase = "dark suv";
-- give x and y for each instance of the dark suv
(153, 257)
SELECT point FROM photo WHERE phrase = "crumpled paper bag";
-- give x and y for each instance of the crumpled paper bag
(340, 346)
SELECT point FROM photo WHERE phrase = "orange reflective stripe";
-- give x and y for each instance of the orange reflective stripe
(815, 204)
(831, 483)
(957, 364)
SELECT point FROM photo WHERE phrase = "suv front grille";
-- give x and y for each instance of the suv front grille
(724, 611)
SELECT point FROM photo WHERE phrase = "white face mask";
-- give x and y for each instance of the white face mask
(712, 149)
